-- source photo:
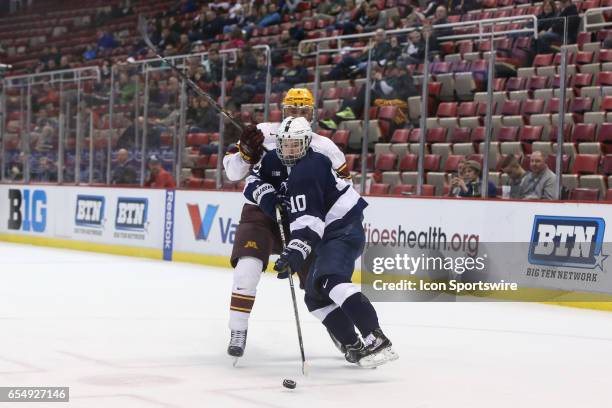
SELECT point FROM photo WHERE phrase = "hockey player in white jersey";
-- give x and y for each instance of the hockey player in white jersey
(257, 236)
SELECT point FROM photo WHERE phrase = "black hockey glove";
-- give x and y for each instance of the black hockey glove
(270, 201)
(292, 258)
(251, 144)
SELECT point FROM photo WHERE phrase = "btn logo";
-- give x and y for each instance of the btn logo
(27, 210)
(131, 213)
(567, 241)
(89, 211)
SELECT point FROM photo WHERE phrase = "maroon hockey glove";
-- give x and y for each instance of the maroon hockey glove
(251, 144)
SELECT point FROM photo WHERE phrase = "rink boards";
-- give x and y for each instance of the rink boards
(199, 226)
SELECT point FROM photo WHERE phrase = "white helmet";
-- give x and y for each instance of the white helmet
(293, 139)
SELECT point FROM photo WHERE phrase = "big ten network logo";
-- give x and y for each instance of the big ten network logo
(89, 213)
(27, 210)
(203, 224)
(131, 217)
(567, 241)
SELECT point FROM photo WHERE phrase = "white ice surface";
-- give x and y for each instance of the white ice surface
(126, 332)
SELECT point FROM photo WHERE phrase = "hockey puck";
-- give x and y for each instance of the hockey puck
(289, 384)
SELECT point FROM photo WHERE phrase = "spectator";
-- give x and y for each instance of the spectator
(241, 93)
(454, 188)
(184, 46)
(47, 171)
(271, 18)
(352, 66)
(236, 38)
(469, 182)
(290, 6)
(511, 166)
(211, 26)
(375, 20)
(123, 172)
(213, 66)
(90, 53)
(546, 16)
(394, 88)
(463, 6)
(328, 9)
(440, 18)
(167, 38)
(106, 40)
(414, 52)
(413, 17)
(14, 168)
(555, 33)
(291, 76)
(202, 117)
(344, 19)
(158, 177)
(539, 183)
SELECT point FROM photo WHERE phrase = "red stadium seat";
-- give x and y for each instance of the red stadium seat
(351, 160)
(387, 113)
(379, 189)
(584, 132)
(543, 60)
(403, 189)
(604, 78)
(436, 135)
(400, 136)
(341, 138)
(409, 162)
(584, 194)
(606, 165)
(478, 134)
(467, 109)
(584, 57)
(530, 134)
(516, 84)
(552, 163)
(581, 105)
(586, 163)
(511, 108)
(533, 106)
(452, 162)
(460, 135)
(447, 110)
(432, 162)
(537, 82)
(386, 161)
(507, 134)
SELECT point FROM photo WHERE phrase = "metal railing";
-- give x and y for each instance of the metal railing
(594, 19)
(480, 24)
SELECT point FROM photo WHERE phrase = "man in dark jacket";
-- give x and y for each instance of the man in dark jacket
(123, 172)
(296, 74)
(352, 66)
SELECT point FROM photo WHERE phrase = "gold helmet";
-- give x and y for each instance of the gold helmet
(298, 102)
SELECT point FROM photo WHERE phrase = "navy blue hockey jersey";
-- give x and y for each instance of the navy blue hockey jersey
(319, 200)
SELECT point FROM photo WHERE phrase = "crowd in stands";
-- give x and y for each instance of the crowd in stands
(105, 35)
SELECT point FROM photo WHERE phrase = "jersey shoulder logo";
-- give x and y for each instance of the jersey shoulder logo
(251, 244)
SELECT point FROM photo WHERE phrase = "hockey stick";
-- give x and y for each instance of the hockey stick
(279, 221)
(143, 29)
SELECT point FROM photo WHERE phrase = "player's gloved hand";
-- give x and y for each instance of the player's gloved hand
(251, 144)
(270, 201)
(292, 258)
(287, 258)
